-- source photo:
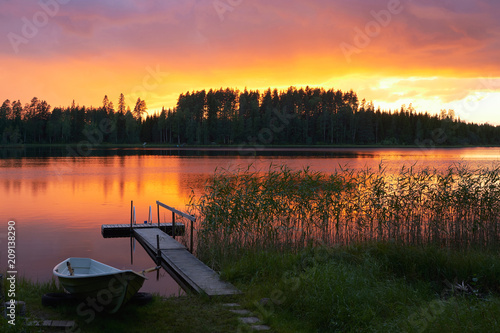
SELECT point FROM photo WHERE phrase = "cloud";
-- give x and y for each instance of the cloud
(431, 50)
(425, 35)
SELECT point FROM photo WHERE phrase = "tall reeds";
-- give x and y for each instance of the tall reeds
(282, 208)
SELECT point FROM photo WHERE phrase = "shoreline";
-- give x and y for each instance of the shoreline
(382, 286)
(246, 147)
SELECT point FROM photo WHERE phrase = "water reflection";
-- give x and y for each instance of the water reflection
(59, 202)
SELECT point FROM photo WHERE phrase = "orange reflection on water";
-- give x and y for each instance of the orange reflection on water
(87, 191)
(59, 203)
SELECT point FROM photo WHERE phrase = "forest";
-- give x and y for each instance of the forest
(305, 116)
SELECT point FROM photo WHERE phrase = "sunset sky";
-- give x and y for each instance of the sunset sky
(439, 54)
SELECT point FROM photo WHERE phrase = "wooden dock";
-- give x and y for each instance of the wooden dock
(189, 272)
(125, 230)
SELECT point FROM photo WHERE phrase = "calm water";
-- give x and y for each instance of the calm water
(59, 202)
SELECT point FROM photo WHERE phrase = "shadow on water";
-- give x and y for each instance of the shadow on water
(80, 151)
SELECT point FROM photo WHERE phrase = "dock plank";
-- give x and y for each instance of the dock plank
(123, 230)
(189, 272)
(166, 242)
(200, 276)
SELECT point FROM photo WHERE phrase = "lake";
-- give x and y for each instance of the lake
(59, 200)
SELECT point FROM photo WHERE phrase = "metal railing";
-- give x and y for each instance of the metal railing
(174, 211)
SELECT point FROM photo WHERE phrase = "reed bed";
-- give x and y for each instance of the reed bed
(280, 208)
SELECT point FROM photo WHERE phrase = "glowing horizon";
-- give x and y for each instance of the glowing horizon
(434, 55)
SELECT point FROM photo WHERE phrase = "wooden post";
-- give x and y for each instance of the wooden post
(158, 251)
(131, 213)
(131, 233)
(158, 256)
(192, 235)
(158, 210)
(131, 250)
(173, 225)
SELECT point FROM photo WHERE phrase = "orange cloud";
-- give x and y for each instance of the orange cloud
(89, 49)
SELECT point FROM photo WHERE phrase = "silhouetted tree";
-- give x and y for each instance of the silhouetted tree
(227, 116)
(121, 104)
(140, 109)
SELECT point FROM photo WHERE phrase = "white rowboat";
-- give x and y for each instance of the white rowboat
(93, 281)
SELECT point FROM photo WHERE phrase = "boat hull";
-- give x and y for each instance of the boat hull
(107, 287)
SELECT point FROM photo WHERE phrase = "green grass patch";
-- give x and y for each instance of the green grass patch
(369, 288)
(411, 250)
(176, 314)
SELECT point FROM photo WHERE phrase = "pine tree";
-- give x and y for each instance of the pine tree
(105, 103)
(121, 104)
(139, 109)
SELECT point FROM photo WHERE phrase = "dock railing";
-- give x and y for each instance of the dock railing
(174, 211)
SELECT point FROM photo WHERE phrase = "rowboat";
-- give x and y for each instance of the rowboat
(92, 281)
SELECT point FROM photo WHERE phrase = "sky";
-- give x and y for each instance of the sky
(439, 54)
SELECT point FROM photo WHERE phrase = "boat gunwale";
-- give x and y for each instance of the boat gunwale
(114, 271)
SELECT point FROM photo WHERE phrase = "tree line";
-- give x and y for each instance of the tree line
(305, 116)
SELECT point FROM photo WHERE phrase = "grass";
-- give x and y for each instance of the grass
(358, 251)
(366, 287)
(177, 314)
(370, 288)
(182, 314)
